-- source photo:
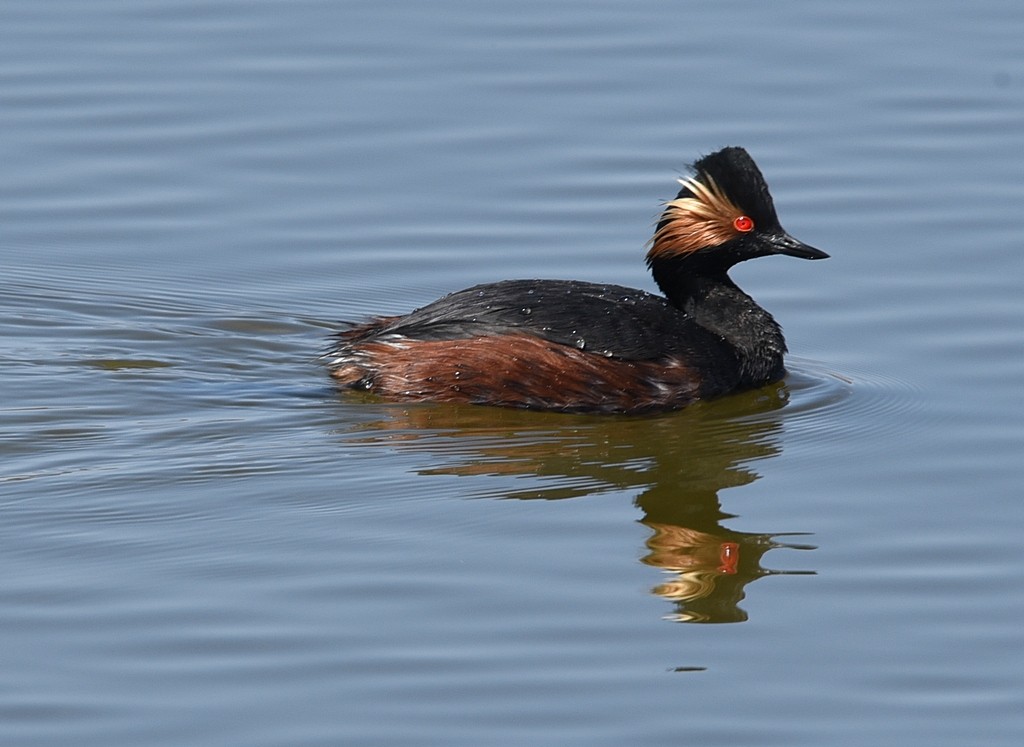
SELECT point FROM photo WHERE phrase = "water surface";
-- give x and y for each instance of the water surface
(204, 543)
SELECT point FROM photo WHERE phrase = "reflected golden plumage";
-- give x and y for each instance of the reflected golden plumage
(676, 465)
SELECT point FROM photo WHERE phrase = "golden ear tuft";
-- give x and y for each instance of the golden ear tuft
(706, 218)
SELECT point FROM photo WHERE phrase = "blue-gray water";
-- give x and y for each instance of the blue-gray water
(202, 543)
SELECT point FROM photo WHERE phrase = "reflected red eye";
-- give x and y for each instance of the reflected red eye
(743, 224)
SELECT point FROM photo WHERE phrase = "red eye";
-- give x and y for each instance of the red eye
(743, 224)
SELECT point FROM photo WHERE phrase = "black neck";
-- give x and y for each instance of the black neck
(708, 295)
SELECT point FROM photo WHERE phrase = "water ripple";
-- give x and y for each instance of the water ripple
(856, 406)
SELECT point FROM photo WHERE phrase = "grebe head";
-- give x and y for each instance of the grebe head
(723, 214)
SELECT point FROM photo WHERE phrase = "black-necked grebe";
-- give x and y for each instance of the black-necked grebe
(586, 347)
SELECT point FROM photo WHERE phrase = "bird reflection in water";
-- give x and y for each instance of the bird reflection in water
(678, 463)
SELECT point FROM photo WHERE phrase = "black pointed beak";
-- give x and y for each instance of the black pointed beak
(783, 243)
